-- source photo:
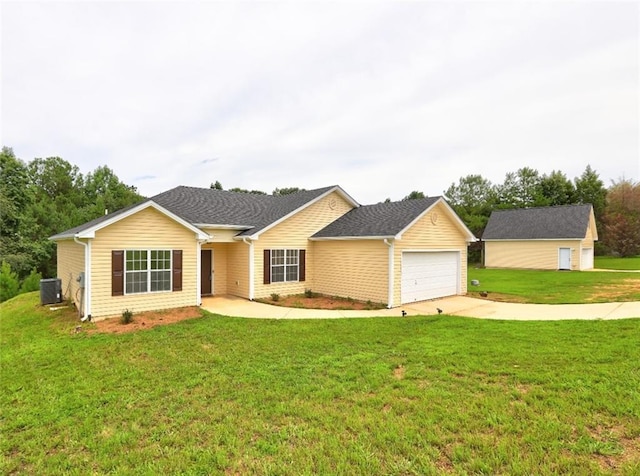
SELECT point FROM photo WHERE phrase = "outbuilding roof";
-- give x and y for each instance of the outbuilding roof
(541, 223)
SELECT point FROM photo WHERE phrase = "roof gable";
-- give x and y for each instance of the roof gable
(88, 230)
(197, 208)
(541, 223)
(384, 220)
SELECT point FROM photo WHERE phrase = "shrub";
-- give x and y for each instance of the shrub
(275, 297)
(308, 293)
(127, 317)
(9, 284)
(31, 282)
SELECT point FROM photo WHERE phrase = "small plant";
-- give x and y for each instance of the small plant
(31, 282)
(9, 284)
(275, 297)
(127, 317)
(308, 293)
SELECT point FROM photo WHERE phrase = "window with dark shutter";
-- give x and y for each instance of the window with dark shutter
(267, 267)
(302, 264)
(177, 270)
(117, 272)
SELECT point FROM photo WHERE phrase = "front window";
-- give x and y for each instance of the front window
(147, 271)
(284, 265)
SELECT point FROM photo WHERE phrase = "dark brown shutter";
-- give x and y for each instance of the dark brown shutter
(177, 270)
(267, 266)
(303, 267)
(117, 272)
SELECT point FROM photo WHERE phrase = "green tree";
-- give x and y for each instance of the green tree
(103, 191)
(244, 190)
(473, 199)
(621, 218)
(557, 189)
(216, 186)
(415, 195)
(9, 284)
(31, 282)
(15, 196)
(521, 189)
(55, 178)
(590, 189)
(287, 190)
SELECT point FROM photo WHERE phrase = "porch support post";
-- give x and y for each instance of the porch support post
(198, 272)
(249, 241)
(391, 259)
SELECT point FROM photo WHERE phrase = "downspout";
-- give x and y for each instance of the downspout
(248, 241)
(87, 277)
(198, 271)
(390, 244)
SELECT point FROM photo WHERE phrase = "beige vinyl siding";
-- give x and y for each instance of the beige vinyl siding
(70, 265)
(238, 270)
(435, 231)
(147, 229)
(352, 268)
(530, 254)
(220, 275)
(294, 233)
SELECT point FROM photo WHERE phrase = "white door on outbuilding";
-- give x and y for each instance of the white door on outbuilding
(587, 258)
(429, 275)
(564, 258)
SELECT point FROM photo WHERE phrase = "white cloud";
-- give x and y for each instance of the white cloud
(380, 98)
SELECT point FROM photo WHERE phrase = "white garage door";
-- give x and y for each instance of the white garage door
(429, 275)
(587, 258)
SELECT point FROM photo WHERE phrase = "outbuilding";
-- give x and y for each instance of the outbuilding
(559, 237)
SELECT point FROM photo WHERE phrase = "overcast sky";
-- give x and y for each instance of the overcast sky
(380, 98)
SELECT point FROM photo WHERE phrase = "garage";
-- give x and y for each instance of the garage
(587, 258)
(429, 275)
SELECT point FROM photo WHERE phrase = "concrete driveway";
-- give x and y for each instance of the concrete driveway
(455, 305)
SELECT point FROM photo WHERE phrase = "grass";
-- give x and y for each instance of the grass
(217, 395)
(555, 287)
(609, 262)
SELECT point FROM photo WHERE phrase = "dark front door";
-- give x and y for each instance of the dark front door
(206, 272)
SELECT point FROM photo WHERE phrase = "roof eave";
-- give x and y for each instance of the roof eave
(345, 238)
(534, 239)
(224, 227)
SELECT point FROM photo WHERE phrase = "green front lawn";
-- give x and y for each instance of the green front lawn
(218, 395)
(608, 262)
(554, 287)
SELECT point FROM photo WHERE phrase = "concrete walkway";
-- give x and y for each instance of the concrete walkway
(455, 305)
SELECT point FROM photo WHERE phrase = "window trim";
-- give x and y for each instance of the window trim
(148, 271)
(285, 267)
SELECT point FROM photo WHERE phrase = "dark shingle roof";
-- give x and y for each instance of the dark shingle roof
(202, 206)
(218, 207)
(382, 219)
(561, 222)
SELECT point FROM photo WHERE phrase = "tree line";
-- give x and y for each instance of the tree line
(45, 196)
(616, 209)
